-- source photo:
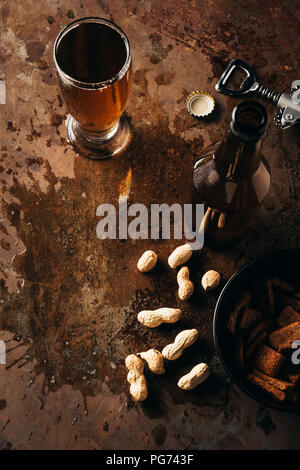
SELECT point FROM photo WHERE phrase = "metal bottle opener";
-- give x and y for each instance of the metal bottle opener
(288, 104)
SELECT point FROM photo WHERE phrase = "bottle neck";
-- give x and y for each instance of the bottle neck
(239, 154)
(236, 158)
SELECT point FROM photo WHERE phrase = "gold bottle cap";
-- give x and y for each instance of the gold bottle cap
(200, 103)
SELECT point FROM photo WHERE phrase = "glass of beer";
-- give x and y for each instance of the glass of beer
(93, 62)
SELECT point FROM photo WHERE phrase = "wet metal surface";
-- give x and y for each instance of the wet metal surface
(68, 301)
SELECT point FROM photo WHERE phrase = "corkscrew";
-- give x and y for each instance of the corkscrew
(288, 104)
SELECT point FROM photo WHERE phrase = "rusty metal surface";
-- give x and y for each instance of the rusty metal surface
(68, 300)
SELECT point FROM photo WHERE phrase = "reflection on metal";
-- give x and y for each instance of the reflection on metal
(125, 185)
(2, 352)
(2, 92)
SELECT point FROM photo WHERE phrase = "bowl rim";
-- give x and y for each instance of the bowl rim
(270, 403)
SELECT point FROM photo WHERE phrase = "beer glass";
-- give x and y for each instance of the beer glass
(93, 63)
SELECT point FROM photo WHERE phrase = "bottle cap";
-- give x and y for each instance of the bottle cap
(200, 103)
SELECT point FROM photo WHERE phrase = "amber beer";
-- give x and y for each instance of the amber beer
(95, 73)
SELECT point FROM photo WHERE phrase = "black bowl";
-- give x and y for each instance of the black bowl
(284, 264)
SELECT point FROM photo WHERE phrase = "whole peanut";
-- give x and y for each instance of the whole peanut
(186, 287)
(195, 377)
(180, 255)
(147, 261)
(155, 361)
(183, 340)
(210, 280)
(136, 378)
(154, 318)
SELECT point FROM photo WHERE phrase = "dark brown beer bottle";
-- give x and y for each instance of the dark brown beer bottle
(232, 178)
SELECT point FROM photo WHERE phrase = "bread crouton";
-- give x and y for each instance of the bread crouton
(280, 384)
(235, 314)
(255, 345)
(269, 361)
(250, 317)
(270, 389)
(260, 328)
(282, 339)
(288, 316)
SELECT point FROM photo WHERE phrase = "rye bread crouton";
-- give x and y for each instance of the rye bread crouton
(237, 311)
(270, 389)
(262, 298)
(271, 299)
(269, 361)
(283, 285)
(255, 345)
(280, 384)
(264, 326)
(294, 302)
(240, 350)
(250, 317)
(282, 339)
(288, 316)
